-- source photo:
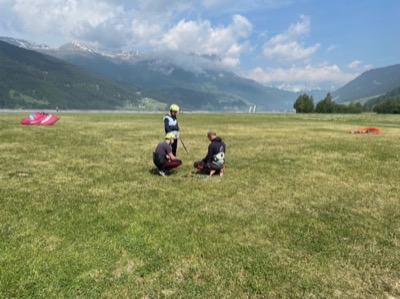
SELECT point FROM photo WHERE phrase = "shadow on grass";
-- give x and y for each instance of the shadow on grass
(154, 171)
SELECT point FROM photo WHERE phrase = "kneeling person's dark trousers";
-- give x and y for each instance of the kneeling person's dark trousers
(201, 165)
(165, 164)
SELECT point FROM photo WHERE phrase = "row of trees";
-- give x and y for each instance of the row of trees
(305, 104)
(389, 106)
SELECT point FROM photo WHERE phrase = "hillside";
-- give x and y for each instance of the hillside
(32, 80)
(191, 81)
(371, 84)
(154, 81)
(378, 100)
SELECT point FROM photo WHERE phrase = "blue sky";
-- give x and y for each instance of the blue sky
(292, 43)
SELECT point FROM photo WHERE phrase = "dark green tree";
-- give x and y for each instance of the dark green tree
(353, 108)
(304, 104)
(389, 106)
(326, 105)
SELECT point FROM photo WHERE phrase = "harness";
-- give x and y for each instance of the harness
(219, 159)
(172, 123)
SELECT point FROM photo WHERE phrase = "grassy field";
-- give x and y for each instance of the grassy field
(305, 209)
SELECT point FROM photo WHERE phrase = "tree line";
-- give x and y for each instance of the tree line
(305, 104)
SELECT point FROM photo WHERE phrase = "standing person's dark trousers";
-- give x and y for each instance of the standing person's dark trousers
(174, 146)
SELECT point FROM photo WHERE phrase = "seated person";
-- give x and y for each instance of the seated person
(215, 158)
(163, 157)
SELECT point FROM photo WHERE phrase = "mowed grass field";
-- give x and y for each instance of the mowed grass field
(305, 209)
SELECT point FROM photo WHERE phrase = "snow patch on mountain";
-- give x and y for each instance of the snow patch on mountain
(23, 43)
(303, 87)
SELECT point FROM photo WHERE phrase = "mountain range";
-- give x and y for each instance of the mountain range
(369, 85)
(29, 79)
(190, 81)
(152, 81)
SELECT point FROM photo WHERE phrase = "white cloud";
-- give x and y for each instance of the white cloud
(308, 73)
(286, 46)
(106, 23)
(331, 48)
(186, 26)
(354, 64)
(92, 20)
(200, 37)
(121, 23)
(289, 51)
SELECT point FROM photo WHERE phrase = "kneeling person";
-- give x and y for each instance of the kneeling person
(163, 157)
(215, 158)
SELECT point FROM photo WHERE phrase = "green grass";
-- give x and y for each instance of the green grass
(305, 209)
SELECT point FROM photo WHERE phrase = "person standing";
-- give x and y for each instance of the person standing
(215, 158)
(163, 157)
(171, 125)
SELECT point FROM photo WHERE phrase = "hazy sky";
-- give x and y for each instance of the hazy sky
(291, 41)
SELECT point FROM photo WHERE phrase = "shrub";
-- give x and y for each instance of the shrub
(389, 106)
(326, 105)
(304, 104)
